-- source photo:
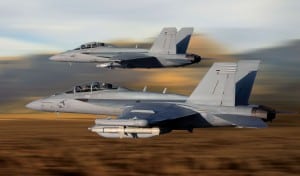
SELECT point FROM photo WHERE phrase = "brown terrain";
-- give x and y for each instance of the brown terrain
(47, 144)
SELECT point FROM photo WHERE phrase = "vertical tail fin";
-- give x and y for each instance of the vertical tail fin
(244, 80)
(217, 86)
(226, 84)
(183, 39)
(165, 43)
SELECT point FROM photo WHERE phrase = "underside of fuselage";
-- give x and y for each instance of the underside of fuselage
(150, 62)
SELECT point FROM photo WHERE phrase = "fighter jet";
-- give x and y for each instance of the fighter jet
(168, 50)
(219, 100)
(99, 98)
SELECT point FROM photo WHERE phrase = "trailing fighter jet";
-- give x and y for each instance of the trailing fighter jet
(168, 50)
(219, 100)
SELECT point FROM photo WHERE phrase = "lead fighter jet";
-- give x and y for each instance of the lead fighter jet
(219, 100)
(168, 50)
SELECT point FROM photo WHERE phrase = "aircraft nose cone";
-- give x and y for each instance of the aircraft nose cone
(54, 58)
(35, 105)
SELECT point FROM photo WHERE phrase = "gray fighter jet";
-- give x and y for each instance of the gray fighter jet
(168, 50)
(99, 98)
(219, 100)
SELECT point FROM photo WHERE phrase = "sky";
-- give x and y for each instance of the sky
(46, 26)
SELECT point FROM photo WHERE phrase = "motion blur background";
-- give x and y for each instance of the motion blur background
(38, 143)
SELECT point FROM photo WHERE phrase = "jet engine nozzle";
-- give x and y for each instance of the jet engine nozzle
(267, 114)
(193, 57)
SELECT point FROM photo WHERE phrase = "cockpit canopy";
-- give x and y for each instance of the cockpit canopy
(92, 87)
(93, 45)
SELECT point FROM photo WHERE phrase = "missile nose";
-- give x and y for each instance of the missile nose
(35, 105)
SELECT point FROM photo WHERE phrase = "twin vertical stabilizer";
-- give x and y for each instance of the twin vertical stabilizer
(170, 41)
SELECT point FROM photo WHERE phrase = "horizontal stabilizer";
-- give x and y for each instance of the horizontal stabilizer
(243, 121)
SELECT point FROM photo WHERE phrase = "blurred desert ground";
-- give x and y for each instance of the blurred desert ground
(35, 143)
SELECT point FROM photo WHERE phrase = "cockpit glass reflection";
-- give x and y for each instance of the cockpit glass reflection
(92, 87)
(93, 45)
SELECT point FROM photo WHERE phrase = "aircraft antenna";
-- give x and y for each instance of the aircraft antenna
(70, 64)
(57, 114)
(165, 90)
(145, 89)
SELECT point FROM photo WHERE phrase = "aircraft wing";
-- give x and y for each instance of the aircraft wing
(128, 56)
(115, 56)
(132, 60)
(144, 120)
(156, 113)
(242, 120)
